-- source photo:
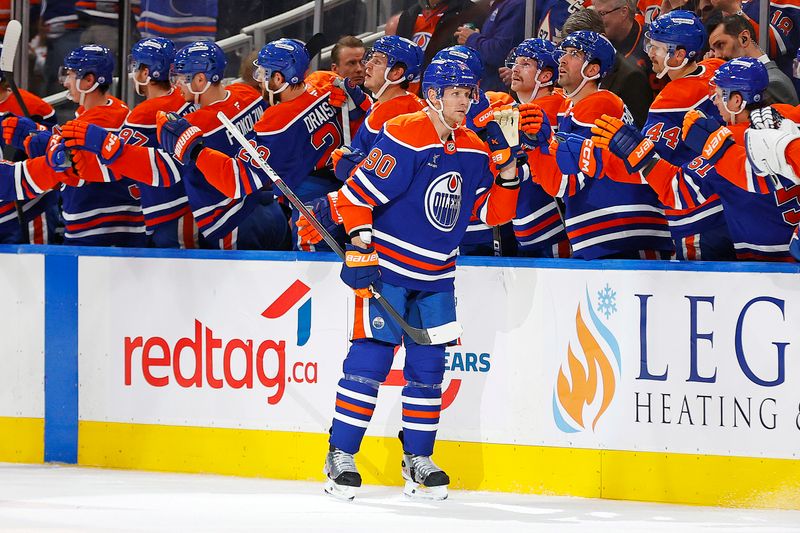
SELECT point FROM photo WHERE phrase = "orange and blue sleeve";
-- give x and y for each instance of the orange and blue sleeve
(146, 165)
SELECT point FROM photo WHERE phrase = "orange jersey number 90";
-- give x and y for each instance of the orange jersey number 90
(382, 164)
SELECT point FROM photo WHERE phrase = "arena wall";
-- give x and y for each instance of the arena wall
(654, 381)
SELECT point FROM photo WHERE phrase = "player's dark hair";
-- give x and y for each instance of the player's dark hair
(734, 25)
(405, 83)
(164, 85)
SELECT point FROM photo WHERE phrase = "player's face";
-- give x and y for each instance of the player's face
(570, 68)
(734, 103)
(723, 45)
(523, 74)
(186, 83)
(657, 52)
(455, 104)
(70, 81)
(349, 65)
(375, 71)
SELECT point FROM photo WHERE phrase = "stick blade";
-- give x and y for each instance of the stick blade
(10, 45)
(445, 333)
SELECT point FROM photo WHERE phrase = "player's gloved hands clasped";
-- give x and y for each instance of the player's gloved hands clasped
(36, 143)
(324, 210)
(706, 136)
(360, 269)
(81, 135)
(624, 141)
(534, 126)
(345, 160)
(56, 154)
(347, 87)
(17, 129)
(502, 134)
(178, 137)
(576, 154)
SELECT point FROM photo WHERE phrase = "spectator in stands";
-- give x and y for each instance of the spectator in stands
(60, 31)
(346, 58)
(626, 79)
(432, 23)
(181, 21)
(732, 36)
(551, 16)
(502, 31)
(100, 23)
(649, 10)
(625, 32)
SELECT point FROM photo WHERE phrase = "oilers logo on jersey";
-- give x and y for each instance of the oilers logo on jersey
(443, 201)
(422, 39)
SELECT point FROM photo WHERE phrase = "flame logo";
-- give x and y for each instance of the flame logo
(585, 387)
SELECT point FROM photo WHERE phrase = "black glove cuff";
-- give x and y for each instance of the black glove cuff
(508, 184)
(196, 149)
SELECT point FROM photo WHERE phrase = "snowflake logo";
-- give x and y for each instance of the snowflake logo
(607, 301)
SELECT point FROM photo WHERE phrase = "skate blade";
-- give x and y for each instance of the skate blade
(340, 492)
(415, 491)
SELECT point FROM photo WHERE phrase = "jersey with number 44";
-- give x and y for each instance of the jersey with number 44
(663, 127)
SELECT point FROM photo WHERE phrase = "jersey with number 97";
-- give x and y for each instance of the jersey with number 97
(159, 204)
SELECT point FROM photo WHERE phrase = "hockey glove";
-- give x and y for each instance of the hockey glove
(81, 135)
(502, 134)
(345, 160)
(342, 88)
(765, 118)
(624, 141)
(360, 269)
(576, 154)
(178, 137)
(794, 244)
(324, 210)
(706, 136)
(36, 143)
(766, 153)
(56, 154)
(17, 129)
(534, 127)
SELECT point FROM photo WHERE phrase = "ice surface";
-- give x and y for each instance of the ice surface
(62, 498)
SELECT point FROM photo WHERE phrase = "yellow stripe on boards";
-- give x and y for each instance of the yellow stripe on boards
(702, 479)
(21, 440)
(671, 478)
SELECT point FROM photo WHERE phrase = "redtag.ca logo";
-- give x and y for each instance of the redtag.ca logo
(194, 361)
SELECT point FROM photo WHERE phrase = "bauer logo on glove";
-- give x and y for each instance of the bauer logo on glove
(716, 141)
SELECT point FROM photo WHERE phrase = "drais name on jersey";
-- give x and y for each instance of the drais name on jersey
(318, 116)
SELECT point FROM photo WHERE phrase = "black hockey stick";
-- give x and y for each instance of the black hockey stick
(497, 241)
(423, 336)
(10, 45)
(315, 44)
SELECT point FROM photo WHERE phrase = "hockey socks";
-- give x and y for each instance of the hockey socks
(355, 403)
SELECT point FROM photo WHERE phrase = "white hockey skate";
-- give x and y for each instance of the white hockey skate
(424, 480)
(343, 477)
